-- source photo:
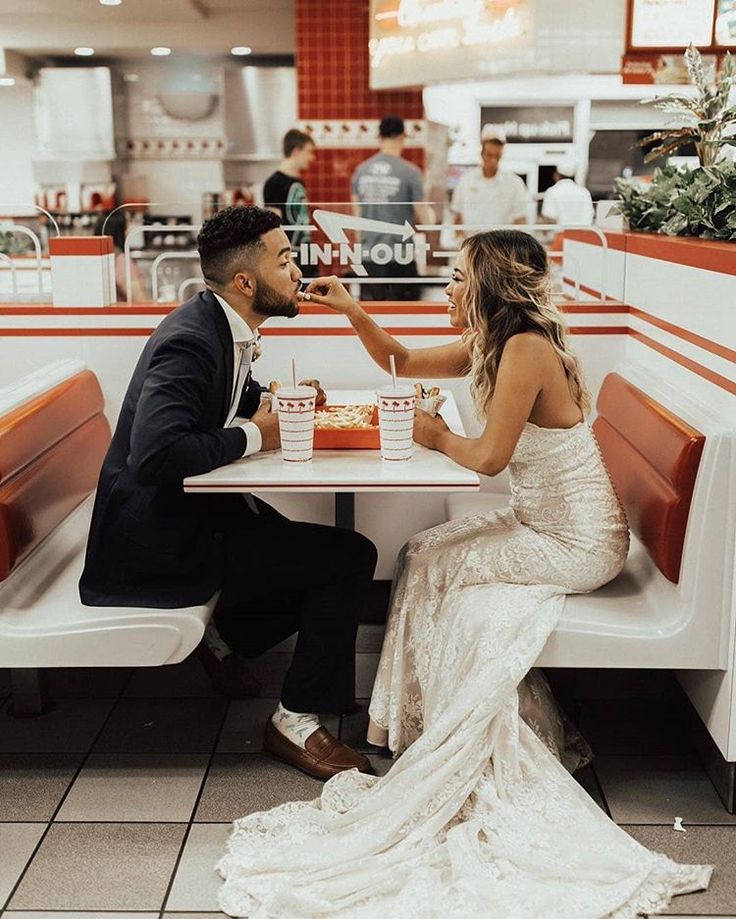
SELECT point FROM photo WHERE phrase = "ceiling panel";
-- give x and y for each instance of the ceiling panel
(145, 9)
(192, 26)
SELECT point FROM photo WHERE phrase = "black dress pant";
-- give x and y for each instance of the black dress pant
(283, 576)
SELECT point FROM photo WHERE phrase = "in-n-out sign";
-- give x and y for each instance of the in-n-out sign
(340, 249)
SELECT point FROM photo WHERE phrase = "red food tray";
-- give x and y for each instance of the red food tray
(348, 438)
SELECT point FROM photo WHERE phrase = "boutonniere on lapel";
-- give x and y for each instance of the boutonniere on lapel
(256, 347)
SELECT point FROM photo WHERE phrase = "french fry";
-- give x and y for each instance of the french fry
(344, 418)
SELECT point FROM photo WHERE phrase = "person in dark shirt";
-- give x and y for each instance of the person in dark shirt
(284, 191)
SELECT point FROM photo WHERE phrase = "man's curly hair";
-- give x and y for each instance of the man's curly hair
(230, 241)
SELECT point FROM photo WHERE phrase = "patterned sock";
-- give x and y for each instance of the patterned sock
(296, 726)
(214, 643)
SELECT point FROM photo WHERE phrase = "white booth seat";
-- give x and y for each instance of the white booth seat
(44, 624)
(644, 618)
(53, 438)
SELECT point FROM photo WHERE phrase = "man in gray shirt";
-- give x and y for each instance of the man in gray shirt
(390, 189)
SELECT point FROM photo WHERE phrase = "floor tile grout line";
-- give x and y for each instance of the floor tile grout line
(64, 796)
(190, 823)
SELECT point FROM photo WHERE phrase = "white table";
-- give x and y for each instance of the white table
(344, 472)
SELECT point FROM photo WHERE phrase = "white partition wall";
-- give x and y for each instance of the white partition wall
(680, 302)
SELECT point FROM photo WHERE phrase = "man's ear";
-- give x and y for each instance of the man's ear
(245, 283)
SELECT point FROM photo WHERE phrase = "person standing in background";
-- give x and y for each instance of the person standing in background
(388, 188)
(488, 196)
(566, 202)
(285, 193)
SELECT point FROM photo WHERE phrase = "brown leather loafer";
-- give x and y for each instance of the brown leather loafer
(322, 756)
(229, 676)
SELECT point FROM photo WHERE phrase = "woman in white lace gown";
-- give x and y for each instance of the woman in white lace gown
(477, 817)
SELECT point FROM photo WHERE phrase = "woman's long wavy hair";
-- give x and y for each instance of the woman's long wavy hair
(509, 291)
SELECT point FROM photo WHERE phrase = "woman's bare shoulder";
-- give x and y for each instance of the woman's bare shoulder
(529, 345)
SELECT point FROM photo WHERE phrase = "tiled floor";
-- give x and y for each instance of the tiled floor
(118, 803)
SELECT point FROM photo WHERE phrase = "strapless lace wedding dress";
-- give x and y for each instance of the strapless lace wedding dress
(477, 817)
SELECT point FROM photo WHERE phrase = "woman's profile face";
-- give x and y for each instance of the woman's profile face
(457, 292)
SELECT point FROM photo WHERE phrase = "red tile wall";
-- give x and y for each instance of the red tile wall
(332, 65)
(332, 82)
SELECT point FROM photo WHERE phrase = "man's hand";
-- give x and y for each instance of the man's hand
(268, 424)
(321, 394)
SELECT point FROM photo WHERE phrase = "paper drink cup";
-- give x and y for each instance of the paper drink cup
(396, 421)
(296, 422)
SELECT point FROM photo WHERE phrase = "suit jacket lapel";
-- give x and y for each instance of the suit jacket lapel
(226, 341)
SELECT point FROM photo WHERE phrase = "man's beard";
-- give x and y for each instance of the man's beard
(268, 302)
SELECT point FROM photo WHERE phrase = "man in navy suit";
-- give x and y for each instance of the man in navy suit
(192, 405)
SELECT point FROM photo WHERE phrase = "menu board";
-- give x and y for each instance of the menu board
(414, 42)
(529, 124)
(671, 23)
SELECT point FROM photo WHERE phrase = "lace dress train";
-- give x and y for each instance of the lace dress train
(475, 816)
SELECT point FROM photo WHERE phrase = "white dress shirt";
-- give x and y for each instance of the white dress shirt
(244, 341)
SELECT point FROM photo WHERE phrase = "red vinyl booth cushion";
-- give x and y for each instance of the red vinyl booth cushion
(653, 458)
(51, 450)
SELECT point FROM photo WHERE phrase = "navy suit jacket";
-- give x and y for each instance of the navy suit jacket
(150, 544)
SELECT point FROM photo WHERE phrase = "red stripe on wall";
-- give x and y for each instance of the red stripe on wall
(591, 291)
(407, 308)
(341, 330)
(592, 308)
(71, 333)
(599, 330)
(615, 240)
(707, 254)
(699, 369)
(705, 343)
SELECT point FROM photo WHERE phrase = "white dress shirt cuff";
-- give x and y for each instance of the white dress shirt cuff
(254, 439)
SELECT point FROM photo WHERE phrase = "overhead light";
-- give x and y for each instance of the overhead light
(84, 52)
(111, 2)
(241, 50)
(7, 81)
(161, 51)
(131, 77)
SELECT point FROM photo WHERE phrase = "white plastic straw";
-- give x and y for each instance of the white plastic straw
(392, 363)
(293, 372)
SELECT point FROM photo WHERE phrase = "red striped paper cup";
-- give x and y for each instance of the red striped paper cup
(396, 421)
(296, 422)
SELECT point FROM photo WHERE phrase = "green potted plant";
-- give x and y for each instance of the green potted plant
(690, 202)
